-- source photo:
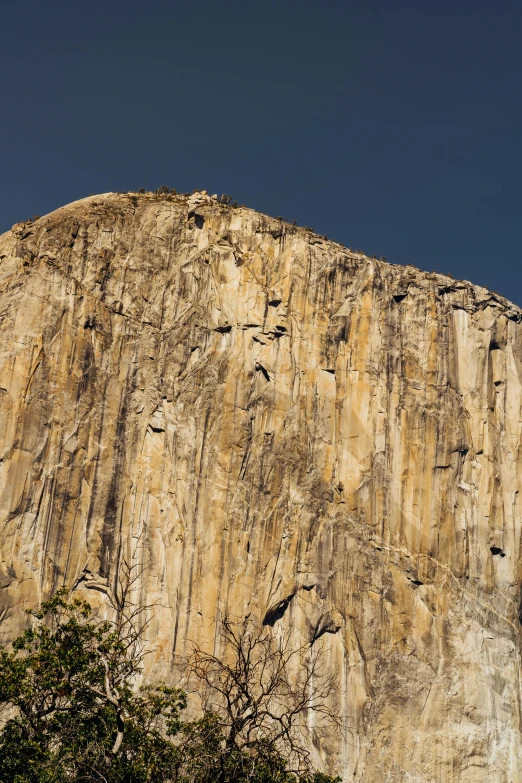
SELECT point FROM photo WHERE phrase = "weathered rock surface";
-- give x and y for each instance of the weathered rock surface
(286, 428)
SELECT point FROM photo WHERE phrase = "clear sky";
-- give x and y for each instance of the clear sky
(393, 126)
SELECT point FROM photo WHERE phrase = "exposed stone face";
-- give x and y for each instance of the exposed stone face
(285, 428)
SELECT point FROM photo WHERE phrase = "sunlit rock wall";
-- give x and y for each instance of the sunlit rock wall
(282, 427)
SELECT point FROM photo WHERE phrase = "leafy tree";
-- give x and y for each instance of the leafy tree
(71, 682)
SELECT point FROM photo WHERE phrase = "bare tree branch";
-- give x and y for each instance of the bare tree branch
(263, 689)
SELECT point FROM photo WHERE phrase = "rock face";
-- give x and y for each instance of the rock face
(284, 428)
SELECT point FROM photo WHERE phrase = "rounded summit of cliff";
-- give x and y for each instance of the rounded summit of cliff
(125, 223)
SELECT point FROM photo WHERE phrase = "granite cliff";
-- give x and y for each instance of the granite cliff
(285, 428)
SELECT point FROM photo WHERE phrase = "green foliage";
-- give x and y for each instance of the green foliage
(70, 679)
(78, 717)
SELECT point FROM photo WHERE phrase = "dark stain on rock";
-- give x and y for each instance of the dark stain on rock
(107, 535)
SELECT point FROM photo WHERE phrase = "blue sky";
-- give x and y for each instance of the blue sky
(393, 127)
